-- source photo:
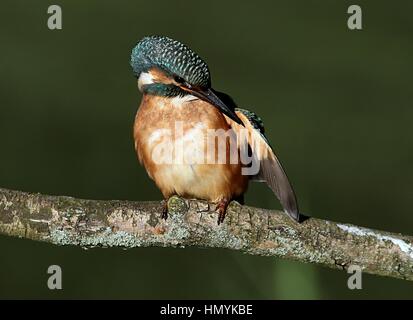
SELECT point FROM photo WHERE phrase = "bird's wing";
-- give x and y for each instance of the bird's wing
(270, 169)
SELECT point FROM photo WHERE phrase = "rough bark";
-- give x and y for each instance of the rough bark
(89, 223)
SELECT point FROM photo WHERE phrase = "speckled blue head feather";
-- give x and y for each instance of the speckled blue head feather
(171, 56)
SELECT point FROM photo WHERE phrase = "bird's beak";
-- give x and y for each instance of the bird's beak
(208, 95)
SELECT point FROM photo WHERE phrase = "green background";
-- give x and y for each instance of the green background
(336, 104)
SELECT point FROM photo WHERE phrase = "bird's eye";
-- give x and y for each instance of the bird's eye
(179, 80)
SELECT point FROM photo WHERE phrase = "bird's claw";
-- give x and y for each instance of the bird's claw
(221, 217)
(222, 210)
(165, 210)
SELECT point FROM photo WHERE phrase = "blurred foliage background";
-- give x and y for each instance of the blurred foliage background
(337, 105)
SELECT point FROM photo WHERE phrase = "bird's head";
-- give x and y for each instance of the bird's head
(166, 67)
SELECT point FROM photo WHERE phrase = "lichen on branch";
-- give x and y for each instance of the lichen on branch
(93, 223)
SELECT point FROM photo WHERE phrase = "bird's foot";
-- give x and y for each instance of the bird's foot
(222, 209)
(165, 210)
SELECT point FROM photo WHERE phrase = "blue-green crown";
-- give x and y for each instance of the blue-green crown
(171, 56)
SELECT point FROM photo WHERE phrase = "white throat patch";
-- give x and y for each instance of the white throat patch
(179, 101)
(144, 79)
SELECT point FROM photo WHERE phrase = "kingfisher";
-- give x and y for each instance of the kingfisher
(178, 114)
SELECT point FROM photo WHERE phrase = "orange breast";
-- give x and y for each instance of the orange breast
(175, 142)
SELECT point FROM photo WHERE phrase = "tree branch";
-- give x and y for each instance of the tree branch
(88, 223)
